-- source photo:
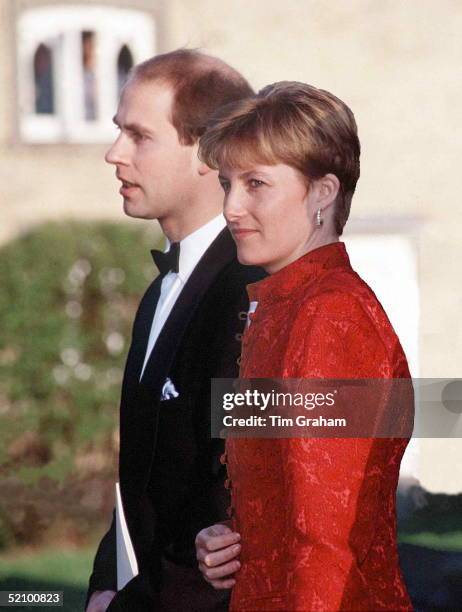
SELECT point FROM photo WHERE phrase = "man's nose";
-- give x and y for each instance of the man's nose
(117, 153)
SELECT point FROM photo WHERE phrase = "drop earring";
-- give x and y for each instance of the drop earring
(319, 220)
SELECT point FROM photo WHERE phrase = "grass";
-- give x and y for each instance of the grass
(68, 570)
(49, 570)
(450, 541)
(437, 525)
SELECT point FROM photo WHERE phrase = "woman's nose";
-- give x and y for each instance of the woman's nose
(233, 206)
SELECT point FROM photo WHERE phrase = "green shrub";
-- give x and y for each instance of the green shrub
(67, 300)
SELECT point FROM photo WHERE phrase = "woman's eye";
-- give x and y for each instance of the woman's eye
(255, 183)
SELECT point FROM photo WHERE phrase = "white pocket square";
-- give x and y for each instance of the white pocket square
(168, 391)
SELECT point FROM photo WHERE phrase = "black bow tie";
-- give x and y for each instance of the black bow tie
(167, 262)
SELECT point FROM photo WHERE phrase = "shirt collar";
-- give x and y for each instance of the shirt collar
(195, 244)
(307, 268)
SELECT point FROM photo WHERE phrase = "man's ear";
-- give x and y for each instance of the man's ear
(326, 190)
(201, 167)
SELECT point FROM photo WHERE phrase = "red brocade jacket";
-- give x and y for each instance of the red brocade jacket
(317, 516)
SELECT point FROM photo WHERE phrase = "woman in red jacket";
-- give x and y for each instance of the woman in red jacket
(316, 516)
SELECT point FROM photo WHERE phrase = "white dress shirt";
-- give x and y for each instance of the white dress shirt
(191, 250)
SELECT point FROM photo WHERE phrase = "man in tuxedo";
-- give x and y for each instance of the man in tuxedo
(186, 331)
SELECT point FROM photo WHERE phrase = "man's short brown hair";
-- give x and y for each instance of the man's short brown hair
(291, 123)
(201, 84)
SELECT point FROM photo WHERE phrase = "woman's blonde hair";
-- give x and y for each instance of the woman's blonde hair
(291, 123)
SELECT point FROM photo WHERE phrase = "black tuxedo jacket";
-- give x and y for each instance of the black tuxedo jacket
(170, 474)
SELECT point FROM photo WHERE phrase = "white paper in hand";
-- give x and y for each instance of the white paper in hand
(127, 566)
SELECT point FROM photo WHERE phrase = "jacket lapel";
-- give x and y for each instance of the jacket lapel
(221, 251)
(141, 330)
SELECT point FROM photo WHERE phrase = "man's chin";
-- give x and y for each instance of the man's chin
(132, 210)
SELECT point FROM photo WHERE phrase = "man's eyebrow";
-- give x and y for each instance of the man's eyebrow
(132, 127)
(221, 177)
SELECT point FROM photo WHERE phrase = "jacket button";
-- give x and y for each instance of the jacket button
(223, 459)
(230, 512)
(228, 484)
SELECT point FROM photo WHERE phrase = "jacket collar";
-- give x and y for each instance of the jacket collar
(283, 283)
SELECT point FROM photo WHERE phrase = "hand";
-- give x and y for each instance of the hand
(216, 550)
(100, 600)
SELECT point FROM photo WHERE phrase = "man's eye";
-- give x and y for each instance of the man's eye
(137, 137)
(255, 183)
(225, 186)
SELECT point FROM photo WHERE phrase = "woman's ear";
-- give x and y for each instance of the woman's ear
(326, 190)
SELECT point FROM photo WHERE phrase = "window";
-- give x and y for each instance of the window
(72, 63)
(89, 75)
(43, 81)
(124, 64)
